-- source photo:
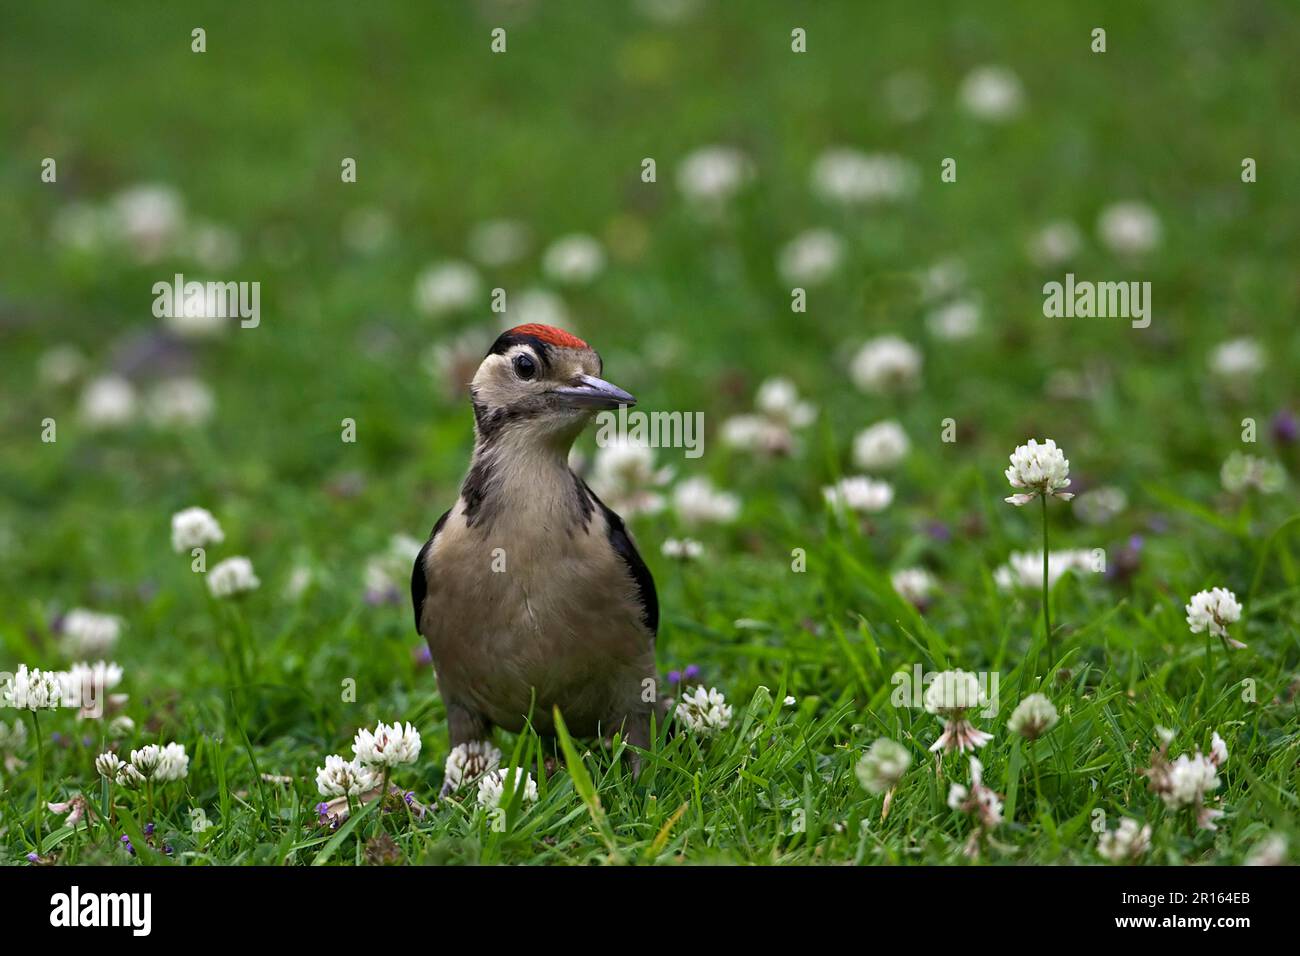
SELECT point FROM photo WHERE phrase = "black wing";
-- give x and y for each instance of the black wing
(621, 542)
(419, 583)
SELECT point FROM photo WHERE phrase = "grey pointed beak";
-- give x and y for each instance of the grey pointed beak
(592, 392)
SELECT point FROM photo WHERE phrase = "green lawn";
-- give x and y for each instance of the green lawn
(691, 312)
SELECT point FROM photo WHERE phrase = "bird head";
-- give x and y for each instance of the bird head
(541, 381)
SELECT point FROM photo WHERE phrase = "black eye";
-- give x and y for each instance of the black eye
(525, 367)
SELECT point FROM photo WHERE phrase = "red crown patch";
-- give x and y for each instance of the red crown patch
(550, 335)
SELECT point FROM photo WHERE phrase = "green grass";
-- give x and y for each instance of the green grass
(447, 135)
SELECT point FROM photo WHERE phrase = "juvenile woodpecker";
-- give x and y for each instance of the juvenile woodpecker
(529, 590)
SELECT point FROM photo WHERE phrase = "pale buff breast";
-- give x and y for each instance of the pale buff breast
(525, 605)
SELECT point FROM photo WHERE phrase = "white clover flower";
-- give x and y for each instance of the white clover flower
(121, 726)
(344, 778)
(883, 765)
(60, 366)
(89, 633)
(1218, 750)
(810, 258)
(859, 493)
(913, 584)
(1056, 244)
(1033, 717)
(992, 93)
(881, 446)
(1242, 472)
(108, 765)
(200, 314)
(779, 400)
(536, 305)
(469, 761)
(173, 763)
(180, 401)
(1237, 359)
(492, 787)
(704, 712)
(685, 549)
(1041, 469)
(1129, 228)
(1024, 569)
(696, 501)
(499, 242)
(195, 528)
(84, 685)
(1271, 850)
(31, 690)
(108, 402)
(954, 321)
(232, 576)
(1190, 778)
(780, 412)
(387, 746)
(147, 760)
(130, 777)
(711, 175)
(624, 476)
(1127, 843)
(886, 365)
(979, 800)
(1100, 505)
(950, 695)
(574, 259)
(149, 218)
(450, 286)
(1213, 611)
(851, 177)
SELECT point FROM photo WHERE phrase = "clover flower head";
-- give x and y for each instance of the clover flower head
(704, 712)
(1127, 843)
(1242, 472)
(1041, 470)
(886, 365)
(859, 493)
(883, 765)
(232, 576)
(950, 695)
(195, 528)
(913, 585)
(493, 787)
(108, 764)
(977, 799)
(173, 763)
(446, 287)
(1033, 717)
(147, 759)
(344, 778)
(31, 690)
(881, 446)
(89, 633)
(469, 761)
(1213, 611)
(387, 746)
(696, 501)
(683, 549)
